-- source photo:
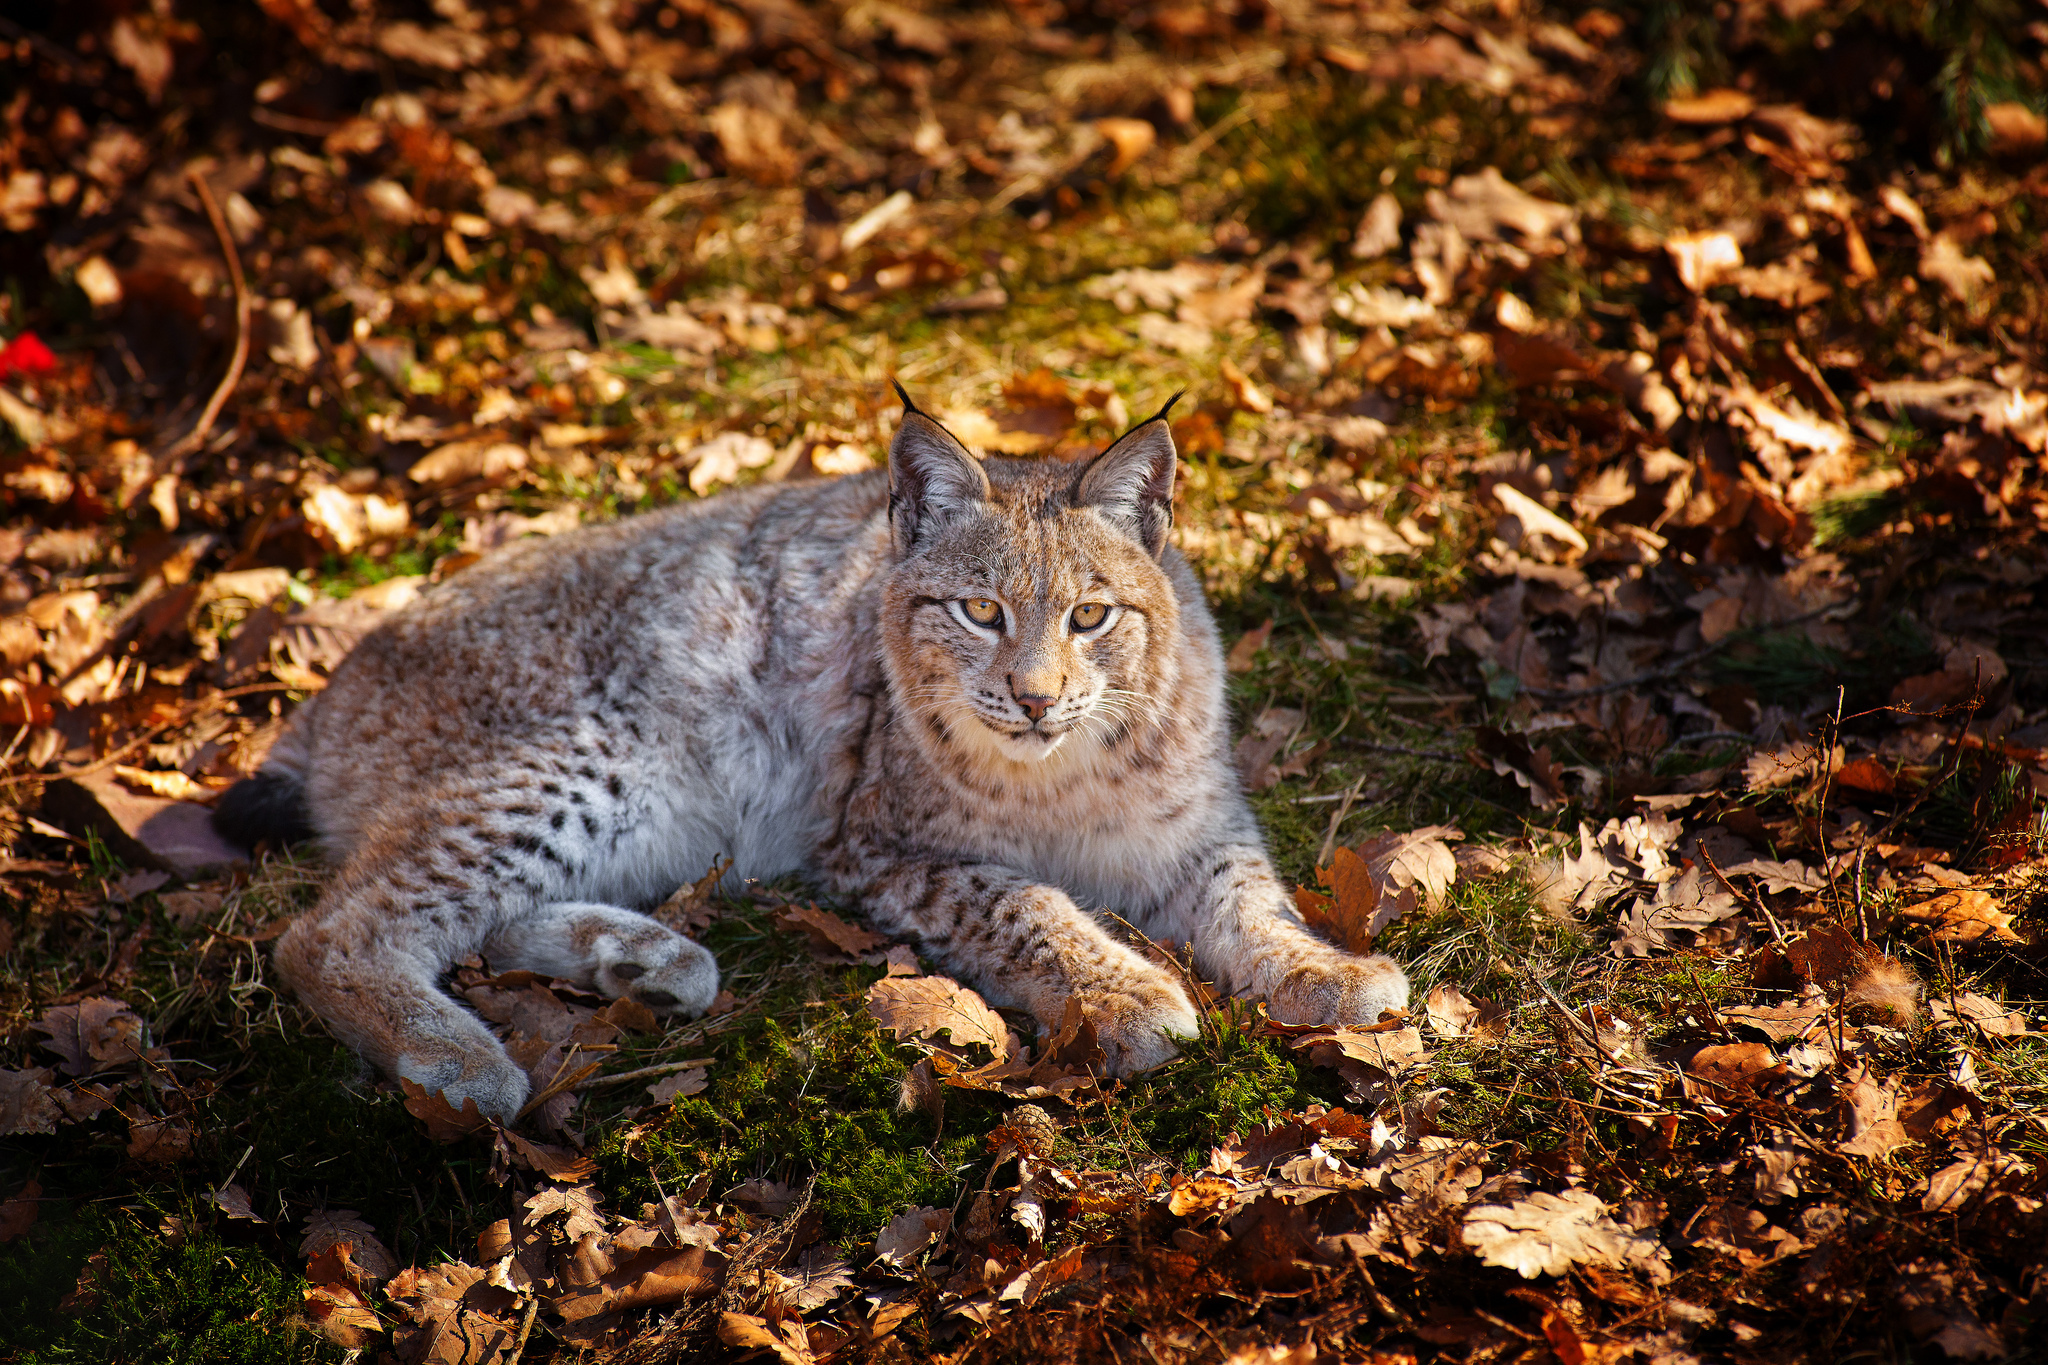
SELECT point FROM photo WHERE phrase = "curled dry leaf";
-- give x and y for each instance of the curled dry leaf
(327, 1228)
(1548, 1234)
(1965, 915)
(26, 1104)
(444, 1122)
(93, 1035)
(828, 933)
(909, 1233)
(1453, 1014)
(333, 1299)
(1987, 1016)
(233, 1201)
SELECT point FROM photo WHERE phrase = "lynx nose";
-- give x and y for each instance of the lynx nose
(1035, 704)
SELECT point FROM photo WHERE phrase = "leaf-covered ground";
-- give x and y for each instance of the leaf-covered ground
(1615, 445)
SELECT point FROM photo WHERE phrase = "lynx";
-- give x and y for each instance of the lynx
(980, 699)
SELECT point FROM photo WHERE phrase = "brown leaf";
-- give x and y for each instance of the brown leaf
(1348, 915)
(444, 1122)
(1511, 755)
(1870, 1112)
(787, 1341)
(371, 1259)
(1732, 1069)
(450, 1316)
(157, 1139)
(671, 1088)
(1547, 1234)
(909, 1233)
(1453, 1014)
(691, 908)
(459, 461)
(1778, 1022)
(1965, 915)
(19, 1213)
(926, 1006)
(338, 1311)
(751, 141)
(233, 1201)
(1989, 1017)
(1954, 1185)
(26, 1105)
(93, 1035)
(1710, 106)
(832, 936)
(1132, 138)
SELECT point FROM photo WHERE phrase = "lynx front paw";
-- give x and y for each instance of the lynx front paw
(670, 973)
(1342, 989)
(1137, 1022)
(489, 1077)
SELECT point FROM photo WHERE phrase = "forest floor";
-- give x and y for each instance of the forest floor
(1616, 444)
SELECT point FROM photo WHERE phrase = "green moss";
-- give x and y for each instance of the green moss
(206, 1300)
(1224, 1082)
(816, 1095)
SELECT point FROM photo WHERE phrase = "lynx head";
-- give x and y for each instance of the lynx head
(1028, 611)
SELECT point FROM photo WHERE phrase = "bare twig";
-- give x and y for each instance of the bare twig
(173, 457)
(1337, 821)
(525, 1328)
(1683, 661)
(1830, 738)
(1755, 902)
(1445, 755)
(644, 1073)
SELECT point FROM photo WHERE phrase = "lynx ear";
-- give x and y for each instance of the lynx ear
(932, 478)
(1131, 483)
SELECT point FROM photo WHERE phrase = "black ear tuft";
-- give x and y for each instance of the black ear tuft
(932, 478)
(1131, 483)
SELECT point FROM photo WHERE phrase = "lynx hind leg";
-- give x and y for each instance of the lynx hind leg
(385, 1002)
(609, 949)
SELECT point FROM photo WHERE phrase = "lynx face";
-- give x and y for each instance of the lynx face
(1027, 613)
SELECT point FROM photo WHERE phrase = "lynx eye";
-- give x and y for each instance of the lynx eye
(1089, 615)
(983, 611)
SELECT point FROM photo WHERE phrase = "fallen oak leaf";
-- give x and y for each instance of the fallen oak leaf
(19, 1214)
(333, 1300)
(1548, 1234)
(450, 1316)
(27, 1104)
(1453, 1014)
(925, 1006)
(1987, 1016)
(1964, 915)
(909, 1233)
(444, 1122)
(93, 1034)
(325, 1228)
(233, 1201)
(828, 933)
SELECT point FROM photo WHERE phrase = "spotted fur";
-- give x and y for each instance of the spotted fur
(788, 676)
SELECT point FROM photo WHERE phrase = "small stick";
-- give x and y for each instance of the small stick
(644, 1073)
(1755, 902)
(1706, 1004)
(173, 458)
(1829, 739)
(525, 1327)
(1337, 821)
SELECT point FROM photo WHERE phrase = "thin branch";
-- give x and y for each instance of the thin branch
(173, 458)
(1683, 661)
(644, 1073)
